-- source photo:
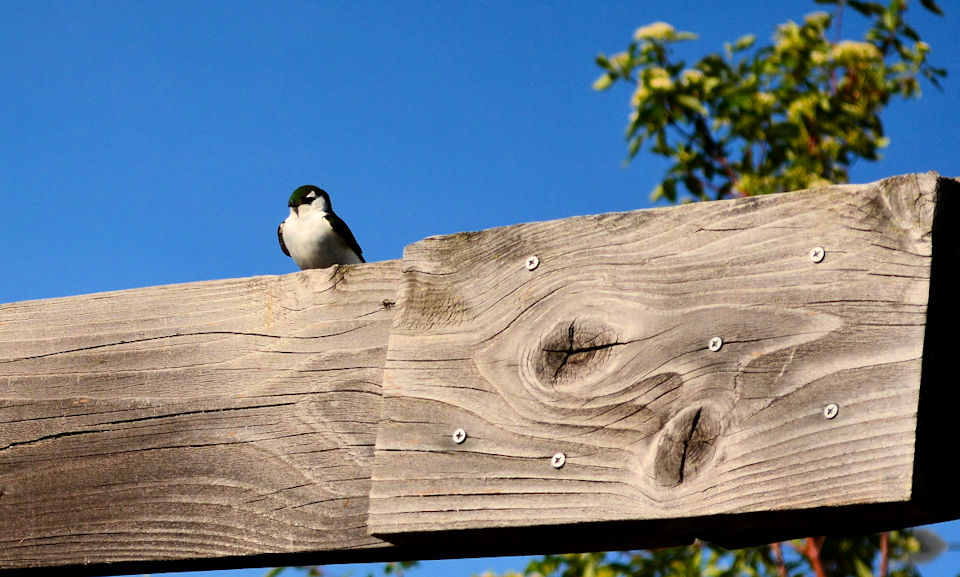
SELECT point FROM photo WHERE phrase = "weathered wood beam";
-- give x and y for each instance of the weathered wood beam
(695, 363)
(200, 425)
(232, 423)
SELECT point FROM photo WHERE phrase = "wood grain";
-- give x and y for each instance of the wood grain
(602, 353)
(232, 423)
(214, 424)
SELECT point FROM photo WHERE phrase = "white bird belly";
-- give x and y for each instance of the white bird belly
(313, 244)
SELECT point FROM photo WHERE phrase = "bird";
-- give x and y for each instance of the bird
(313, 235)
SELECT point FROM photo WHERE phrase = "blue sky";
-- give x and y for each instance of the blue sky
(146, 143)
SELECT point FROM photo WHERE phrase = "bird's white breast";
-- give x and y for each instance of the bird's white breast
(312, 242)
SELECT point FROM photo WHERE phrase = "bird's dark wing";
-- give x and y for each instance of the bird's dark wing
(283, 246)
(343, 230)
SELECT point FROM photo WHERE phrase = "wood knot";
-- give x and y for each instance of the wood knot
(686, 445)
(572, 351)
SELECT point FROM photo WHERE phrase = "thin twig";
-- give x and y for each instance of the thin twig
(884, 553)
(812, 553)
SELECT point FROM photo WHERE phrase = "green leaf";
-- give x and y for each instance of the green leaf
(932, 75)
(744, 42)
(666, 190)
(932, 6)
(693, 184)
(603, 82)
(866, 8)
(710, 83)
(863, 570)
(691, 103)
(783, 131)
(889, 19)
(910, 33)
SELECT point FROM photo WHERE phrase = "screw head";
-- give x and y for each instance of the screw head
(459, 436)
(558, 460)
(830, 411)
(715, 344)
(817, 253)
(532, 262)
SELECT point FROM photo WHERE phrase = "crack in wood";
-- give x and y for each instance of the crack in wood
(161, 337)
(686, 445)
(108, 426)
(572, 349)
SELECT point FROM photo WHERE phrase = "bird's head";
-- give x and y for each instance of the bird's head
(317, 198)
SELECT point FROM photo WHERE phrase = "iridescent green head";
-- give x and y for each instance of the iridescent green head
(306, 194)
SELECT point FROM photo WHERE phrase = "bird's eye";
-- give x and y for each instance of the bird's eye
(311, 197)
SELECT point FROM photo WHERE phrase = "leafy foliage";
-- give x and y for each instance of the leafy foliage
(887, 554)
(793, 114)
(398, 568)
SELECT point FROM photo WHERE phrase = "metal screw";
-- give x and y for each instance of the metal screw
(817, 253)
(558, 460)
(459, 436)
(831, 411)
(532, 262)
(715, 344)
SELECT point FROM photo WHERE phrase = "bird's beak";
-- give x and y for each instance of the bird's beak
(296, 210)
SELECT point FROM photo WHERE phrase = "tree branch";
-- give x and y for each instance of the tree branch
(884, 553)
(778, 554)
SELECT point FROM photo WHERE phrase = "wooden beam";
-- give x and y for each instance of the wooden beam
(200, 425)
(717, 359)
(232, 423)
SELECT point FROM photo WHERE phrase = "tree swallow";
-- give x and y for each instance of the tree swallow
(313, 235)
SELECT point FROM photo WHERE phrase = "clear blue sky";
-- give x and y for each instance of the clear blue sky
(146, 143)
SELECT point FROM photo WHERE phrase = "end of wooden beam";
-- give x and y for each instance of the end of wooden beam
(936, 486)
